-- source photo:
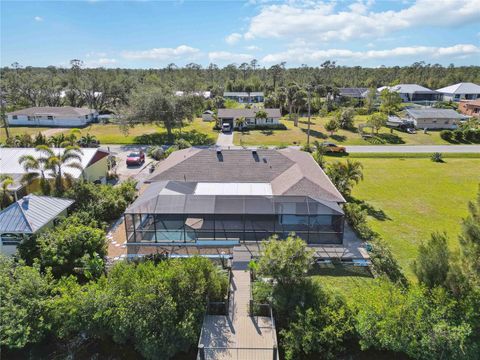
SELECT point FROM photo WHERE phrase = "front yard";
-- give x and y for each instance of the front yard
(298, 135)
(413, 197)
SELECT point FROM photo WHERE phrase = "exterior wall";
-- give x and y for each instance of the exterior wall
(96, 171)
(435, 123)
(262, 122)
(22, 120)
(469, 109)
(458, 97)
(11, 249)
(246, 99)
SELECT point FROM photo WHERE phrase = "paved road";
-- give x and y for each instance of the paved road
(414, 149)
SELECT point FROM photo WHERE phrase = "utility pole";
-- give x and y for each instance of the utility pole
(309, 89)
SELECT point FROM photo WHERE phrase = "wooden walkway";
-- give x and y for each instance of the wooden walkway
(238, 336)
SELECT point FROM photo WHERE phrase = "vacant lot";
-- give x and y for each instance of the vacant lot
(413, 197)
(113, 134)
(298, 135)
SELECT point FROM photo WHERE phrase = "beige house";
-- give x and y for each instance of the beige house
(94, 167)
(434, 118)
(52, 116)
(28, 216)
(231, 116)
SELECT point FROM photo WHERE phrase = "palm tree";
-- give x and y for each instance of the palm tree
(344, 176)
(240, 122)
(318, 154)
(57, 162)
(87, 140)
(38, 164)
(6, 197)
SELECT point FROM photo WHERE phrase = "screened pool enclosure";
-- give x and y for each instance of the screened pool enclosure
(227, 219)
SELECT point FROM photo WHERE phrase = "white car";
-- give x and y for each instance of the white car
(226, 127)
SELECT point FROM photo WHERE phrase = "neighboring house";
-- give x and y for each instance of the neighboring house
(221, 198)
(244, 97)
(231, 116)
(460, 91)
(208, 115)
(28, 216)
(94, 163)
(354, 93)
(413, 92)
(434, 118)
(204, 94)
(64, 116)
(470, 107)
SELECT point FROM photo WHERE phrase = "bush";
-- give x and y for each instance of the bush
(307, 148)
(264, 127)
(436, 157)
(156, 153)
(458, 135)
(446, 135)
(182, 144)
(471, 135)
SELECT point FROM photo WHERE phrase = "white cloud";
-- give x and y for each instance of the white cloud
(38, 18)
(233, 38)
(225, 56)
(319, 21)
(302, 55)
(252, 48)
(163, 54)
(101, 62)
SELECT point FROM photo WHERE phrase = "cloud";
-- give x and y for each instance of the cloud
(318, 21)
(38, 18)
(233, 38)
(225, 56)
(101, 62)
(252, 48)
(302, 55)
(163, 54)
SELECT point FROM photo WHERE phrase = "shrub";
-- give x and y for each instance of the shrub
(307, 148)
(265, 127)
(471, 135)
(446, 135)
(458, 135)
(182, 144)
(156, 152)
(436, 157)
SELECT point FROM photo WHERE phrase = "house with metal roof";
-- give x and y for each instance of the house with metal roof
(231, 116)
(28, 216)
(245, 97)
(460, 91)
(46, 116)
(222, 198)
(354, 93)
(434, 118)
(413, 92)
(94, 163)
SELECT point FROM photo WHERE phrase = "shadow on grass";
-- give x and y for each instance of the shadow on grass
(336, 154)
(378, 214)
(316, 133)
(339, 138)
(267, 132)
(339, 269)
(385, 139)
(194, 137)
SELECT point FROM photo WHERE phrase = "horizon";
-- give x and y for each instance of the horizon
(152, 34)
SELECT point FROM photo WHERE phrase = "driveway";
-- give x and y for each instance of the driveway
(139, 173)
(414, 149)
(225, 139)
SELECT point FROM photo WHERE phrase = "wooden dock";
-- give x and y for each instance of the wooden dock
(238, 336)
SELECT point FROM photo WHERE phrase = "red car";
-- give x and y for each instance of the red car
(135, 158)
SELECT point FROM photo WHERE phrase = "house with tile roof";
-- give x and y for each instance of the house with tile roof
(460, 91)
(51, 116)
(470, 107)
(28, 216)
(221, 198)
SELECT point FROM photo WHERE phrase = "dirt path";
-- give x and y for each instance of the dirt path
(53, 131)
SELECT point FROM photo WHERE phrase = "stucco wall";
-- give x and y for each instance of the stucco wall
(97, 170)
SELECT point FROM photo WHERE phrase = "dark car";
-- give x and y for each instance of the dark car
(135, 158)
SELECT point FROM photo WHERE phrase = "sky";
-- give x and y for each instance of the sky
(153, 34)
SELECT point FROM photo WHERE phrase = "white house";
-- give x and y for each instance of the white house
(207, 115)
(204, 94)
(64, 116)
(28, 216)
(461, 91)
(413, 92)
(231, 116)
(434, 118)
(94, 164)
(244, 97)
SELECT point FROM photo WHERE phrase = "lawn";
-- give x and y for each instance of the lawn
(113, 134)
(417, 197)
(298, 135)
(20, 131)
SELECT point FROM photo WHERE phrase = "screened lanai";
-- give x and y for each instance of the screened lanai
(229, 219)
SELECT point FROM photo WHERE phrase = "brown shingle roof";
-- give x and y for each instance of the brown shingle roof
(250, 113)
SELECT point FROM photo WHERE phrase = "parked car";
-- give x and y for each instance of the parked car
(226, 127)
(135, 158)
(331, 147)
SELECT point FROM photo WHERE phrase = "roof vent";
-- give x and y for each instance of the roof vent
(254, 151)
(219, 150)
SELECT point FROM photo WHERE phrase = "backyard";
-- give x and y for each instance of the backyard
(412, 197)
(298, 135)
(113, 134)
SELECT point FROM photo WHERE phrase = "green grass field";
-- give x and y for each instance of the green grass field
(298, 135)
(20, 131)
(417, 197)
(113, 134)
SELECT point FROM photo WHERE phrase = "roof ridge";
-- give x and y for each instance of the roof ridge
(23, 212)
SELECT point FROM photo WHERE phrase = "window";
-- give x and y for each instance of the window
(14, 117)
(446, 121)
(86, 117)
(269, 121)
(30, 118)
(250, 121)
(434, 121)
(50, 117)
